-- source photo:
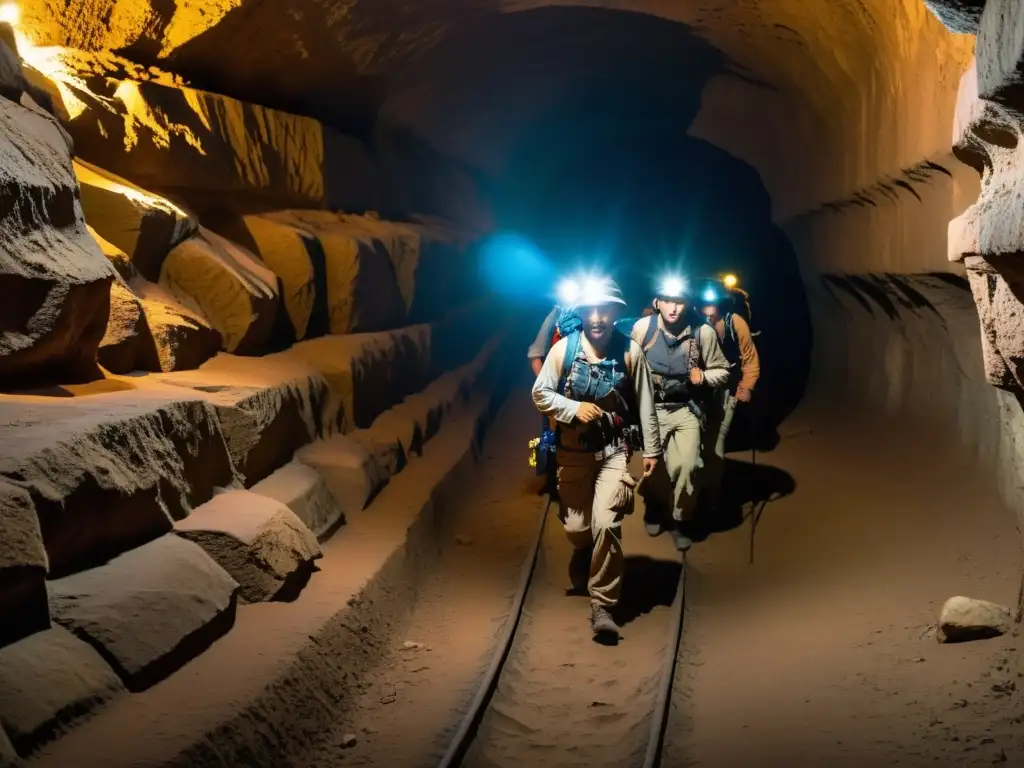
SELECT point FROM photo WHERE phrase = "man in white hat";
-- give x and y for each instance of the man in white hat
(596, 384)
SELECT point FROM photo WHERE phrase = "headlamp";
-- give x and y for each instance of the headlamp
(730, 281)
(672, 287)
(582, 291)
(710, 295)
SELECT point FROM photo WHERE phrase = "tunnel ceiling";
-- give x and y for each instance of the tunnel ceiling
(823, 98)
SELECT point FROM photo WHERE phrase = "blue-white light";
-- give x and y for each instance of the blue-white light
(568, 292)
(710, 295)
(582, 291)
(672, 287)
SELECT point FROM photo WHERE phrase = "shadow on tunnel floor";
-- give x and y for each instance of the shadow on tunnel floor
(746, 491)
(646, 584)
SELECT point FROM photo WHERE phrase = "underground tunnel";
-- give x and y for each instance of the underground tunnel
(269, 274)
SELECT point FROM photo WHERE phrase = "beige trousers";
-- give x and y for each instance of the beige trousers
(675, 483)
(595, 495)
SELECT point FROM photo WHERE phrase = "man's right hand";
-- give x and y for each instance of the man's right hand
(588, 412)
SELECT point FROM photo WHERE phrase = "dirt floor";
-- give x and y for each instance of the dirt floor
(823, 652)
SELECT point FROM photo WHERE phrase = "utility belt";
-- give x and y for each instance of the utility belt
(607, 435)
(679, 400)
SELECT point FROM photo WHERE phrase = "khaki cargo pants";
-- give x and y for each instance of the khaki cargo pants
(596, 494)
(675, 483)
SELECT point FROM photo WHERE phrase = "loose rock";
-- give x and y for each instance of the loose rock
(964, 618)
(348, 740)
(258, 540)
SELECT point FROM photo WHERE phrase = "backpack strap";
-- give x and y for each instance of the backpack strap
(695, 357)
(650, 333)
(572, 348)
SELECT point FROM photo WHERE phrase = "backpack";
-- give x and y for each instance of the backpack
(697, 404)
(567, 322)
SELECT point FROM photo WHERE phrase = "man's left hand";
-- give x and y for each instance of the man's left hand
(696, 376)
(649, 465)
(743, 395)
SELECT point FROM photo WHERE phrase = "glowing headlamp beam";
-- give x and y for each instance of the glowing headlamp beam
(730, 281)
(581, 292)
(672, 287)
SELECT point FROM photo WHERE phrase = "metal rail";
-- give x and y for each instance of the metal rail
(467, 729)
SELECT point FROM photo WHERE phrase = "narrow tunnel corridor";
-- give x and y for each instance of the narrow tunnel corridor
(271, 274)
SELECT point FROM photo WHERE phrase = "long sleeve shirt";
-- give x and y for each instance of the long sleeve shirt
(713, 362)
(541, 345)
(750, 363)
(550, 403)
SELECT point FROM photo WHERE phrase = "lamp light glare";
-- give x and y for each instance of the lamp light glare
(730, 281)
(673, 287)
(710, 296)
(568, 293)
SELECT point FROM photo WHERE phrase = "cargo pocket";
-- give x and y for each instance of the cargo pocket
(625, 494)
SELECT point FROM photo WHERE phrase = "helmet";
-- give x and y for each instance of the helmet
(590, 292)
(713, 292)
(673, 287)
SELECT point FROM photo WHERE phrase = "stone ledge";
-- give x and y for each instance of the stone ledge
(278, 673)
(110, 471)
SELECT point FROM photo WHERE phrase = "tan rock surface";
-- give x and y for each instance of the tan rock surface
(183, 337)
(259, 541)
(143, 225)
(267, 407)
(363, 293)
(289, 252)
(48, 682)
(150, 609)
(23, 566)
(53, 275)
(108, 472)
(231, 286)
(305, 493)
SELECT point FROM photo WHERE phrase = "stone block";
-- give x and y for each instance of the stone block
(231, 287)
(183, 337)
(305, 492)
(48, 683)
(149, 610)
(259, 541)
(110, 471)
(55, 280)
(354, 474)
(144, 225)
(23, 567)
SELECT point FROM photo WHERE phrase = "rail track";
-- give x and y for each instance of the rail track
(472, 727)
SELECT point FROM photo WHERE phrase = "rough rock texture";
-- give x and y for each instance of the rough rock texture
(304, 492)
(110, 471)
(358, 465)
(55, 281)
(183, 337)
(362, 287)
(231, 286)
(964, 618)
(204, 146)
(267, 407)
(23, 566)
(258, 540)
(988, 238)
(8, 756)
(126, 330)
(962, 16)
(149, 610)
(290, 252)
(48, 682)
(143, 225)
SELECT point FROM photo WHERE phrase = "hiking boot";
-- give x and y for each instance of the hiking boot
(579, 569)
(653, 528)
(654, 518)
(603, 624)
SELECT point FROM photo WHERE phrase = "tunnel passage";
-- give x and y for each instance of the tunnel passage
(243, 178)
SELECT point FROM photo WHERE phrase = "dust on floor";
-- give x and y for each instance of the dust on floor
(823, 652)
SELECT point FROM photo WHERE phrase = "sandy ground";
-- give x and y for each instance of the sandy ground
(823, 651)
(413, 701)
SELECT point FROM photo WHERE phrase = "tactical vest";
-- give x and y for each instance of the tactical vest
(606, 384)
(671, 361)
